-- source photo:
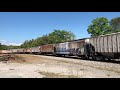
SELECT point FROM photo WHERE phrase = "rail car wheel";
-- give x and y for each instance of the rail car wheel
(94, 58)
(39, 53)
(58, 55)
(84, 58)
(101, 58)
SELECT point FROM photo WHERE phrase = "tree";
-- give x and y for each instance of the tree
(115, 24)
(58, 36)
(99, 26)
(25, 44)
(3, 47)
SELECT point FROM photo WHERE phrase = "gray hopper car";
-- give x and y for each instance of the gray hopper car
(35, 50)
(14, 51)
(75, 47)
(107, 45)
(62, 48)
(20, 51)
(72, 48)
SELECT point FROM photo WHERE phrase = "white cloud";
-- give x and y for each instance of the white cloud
(15, 44)
(4, 42)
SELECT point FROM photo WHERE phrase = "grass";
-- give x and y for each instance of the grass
(56, 75)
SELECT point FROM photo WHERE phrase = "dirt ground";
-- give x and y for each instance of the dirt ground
(38, 66)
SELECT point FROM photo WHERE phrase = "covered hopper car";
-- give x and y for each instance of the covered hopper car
(107, 45)
(35, 50)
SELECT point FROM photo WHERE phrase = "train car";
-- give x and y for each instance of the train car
(107, 45)
(9, 51)
(62, 49)
(35, 50)
(15, 51)
(5, 51)
(76, 46)
(20, 51)
(102, 47)
(27, 50)
(68, 48)
(47, 49)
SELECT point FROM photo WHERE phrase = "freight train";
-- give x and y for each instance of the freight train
(104, 47)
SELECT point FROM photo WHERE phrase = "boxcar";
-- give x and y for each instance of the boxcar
(47, 49)
(107, 45)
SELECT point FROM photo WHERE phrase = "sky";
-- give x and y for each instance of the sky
(16, 27)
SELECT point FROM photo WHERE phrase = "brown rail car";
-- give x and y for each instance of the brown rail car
(47, 49)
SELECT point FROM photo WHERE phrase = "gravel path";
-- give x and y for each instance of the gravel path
(38, 66)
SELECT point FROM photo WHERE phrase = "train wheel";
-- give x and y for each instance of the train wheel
(94, 58)
(83, 57)
(100, 58)
(56, 55)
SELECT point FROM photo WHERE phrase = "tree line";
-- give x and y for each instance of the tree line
(98, 26)
(5, 47)
(56, 36)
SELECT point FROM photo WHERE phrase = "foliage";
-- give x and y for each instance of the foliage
(115, 24)
(60, 36)
(56, 36)
(99, 26)
(5, 47)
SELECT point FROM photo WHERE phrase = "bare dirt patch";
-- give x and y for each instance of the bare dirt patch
(7, 58)
(39, 66)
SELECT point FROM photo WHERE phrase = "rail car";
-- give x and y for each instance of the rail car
(47, 49)
(100, 47)
(35, 50)
(107, 45)
(27, 50)
(5, 51)
(71, 48)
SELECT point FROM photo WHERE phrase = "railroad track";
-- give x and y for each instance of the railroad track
(117, 61)
(6, 57)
